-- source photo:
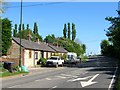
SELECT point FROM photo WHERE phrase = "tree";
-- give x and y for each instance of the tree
(84, 48)
(73, 32)
(104, 46)
(69, 31)
(3, 6)
(15, 31)
(35, 30)
(6, 35)
(65, 31)
(50, 38)
(113, 33)
(23, 27)
(27, 26)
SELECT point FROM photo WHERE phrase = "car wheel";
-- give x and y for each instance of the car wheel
(56, 65)
(62, 65)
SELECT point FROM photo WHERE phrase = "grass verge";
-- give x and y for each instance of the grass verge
(7, 73)
(117, 85)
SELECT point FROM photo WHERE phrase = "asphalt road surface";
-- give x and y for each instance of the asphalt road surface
(98, 72)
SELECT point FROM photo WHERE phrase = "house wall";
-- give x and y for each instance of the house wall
(47, 55)
(39, 56)
(14, 52)
(28, 62)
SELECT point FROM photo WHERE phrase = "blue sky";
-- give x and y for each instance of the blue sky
(89, 18)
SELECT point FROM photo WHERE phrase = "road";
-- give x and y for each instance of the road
(98, 72)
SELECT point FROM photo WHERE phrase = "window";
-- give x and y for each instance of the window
(36, 55)
(30, 53)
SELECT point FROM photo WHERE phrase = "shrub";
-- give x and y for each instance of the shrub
(17, 68)
(64, 57)
(43, 61)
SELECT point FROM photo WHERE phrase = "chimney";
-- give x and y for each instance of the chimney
(28, 35)
(37, 40)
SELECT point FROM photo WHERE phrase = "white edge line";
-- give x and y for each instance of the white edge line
(13, 86)
(112, 79)
(54, 87)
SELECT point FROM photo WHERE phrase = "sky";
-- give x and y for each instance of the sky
(88, 17)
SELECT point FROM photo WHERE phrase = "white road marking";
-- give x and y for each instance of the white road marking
(14, 86)
(112, 79)
(89, 82)
(48, 78)
(73, 80)
(37, 80)
(61, 77)
(69, 75)
(54, 87)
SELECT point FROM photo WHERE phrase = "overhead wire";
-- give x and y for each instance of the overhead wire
(32, 5)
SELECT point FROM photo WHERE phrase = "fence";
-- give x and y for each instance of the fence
(15, 60)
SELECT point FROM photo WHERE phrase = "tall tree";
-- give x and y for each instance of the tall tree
(35, 30)
(69, 32)
(6, 35)
(113, 33)
(27, 26)
(15, 31)
(73, 32)
(104, 46)
(84, 48)
(23, 27)
(65, 31)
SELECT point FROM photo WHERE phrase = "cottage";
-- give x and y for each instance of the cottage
(31, 51)
(59, 50)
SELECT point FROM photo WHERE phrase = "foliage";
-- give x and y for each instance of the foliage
(84, 48)
(64, 57)
(50, 38)
(24, 33)
(17, 68)
(3, 6)
(35, 30)
(70, 46)
(113, 34)
(43, 61)
(7, 73)
(15, 31)
(73, 32)
(65, 31)
(6, 35)
(69, 32)
(104, 46)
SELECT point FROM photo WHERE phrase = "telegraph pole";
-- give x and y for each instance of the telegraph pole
(20, 59)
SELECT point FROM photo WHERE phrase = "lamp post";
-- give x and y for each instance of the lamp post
(20, 59)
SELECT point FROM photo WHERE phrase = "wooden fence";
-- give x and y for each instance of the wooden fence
(15, 60)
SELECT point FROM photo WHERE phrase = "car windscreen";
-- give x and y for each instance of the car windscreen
(53, 58)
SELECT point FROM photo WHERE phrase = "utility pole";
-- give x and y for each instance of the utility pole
(20, 59)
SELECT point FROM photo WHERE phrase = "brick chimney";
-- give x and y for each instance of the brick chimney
(37, 40)
(28, 35)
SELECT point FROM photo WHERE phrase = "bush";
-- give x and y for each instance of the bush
(43, 61)
(17, 68)
(64, 57)
(84, 58)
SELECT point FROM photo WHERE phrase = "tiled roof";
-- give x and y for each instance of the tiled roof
(33, 45)
(58, 49)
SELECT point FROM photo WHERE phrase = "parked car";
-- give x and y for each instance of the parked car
(55, 61)
(72, 58)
